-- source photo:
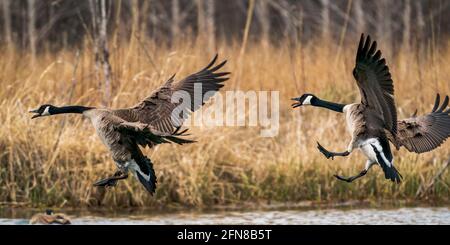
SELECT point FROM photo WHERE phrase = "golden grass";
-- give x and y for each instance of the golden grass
(228, 165)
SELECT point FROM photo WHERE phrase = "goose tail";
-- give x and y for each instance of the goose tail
(144, 172)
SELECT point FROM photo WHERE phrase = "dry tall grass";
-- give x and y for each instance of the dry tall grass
(54, 161)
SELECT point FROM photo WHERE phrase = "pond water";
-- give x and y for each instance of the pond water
(417, 215)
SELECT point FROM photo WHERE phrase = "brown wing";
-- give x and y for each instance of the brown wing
(375, 83)
(157, 109)
(425, 133)
(145, 135)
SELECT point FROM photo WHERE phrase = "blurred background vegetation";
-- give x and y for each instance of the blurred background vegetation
(114, 53)
(55, 24)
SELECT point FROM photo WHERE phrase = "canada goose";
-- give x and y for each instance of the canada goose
(49, 217)
(373, 122)
(152, 121)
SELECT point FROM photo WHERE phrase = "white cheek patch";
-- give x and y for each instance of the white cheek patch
(307, 101)
(46, 112)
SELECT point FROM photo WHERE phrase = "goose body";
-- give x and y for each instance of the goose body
(104, 123)
(124, 150)
(373, 122)
(151, 122)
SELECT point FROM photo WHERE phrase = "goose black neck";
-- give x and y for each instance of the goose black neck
(328, 105)
(70, 109)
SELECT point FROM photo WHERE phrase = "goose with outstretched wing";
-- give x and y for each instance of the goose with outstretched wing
(155, 120)
(373, 122)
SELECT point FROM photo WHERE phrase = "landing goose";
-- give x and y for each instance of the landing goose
(373, 123)
(156, 119)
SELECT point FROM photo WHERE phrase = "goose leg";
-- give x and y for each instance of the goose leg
(361, 174)
(352, 178)
(329, 154)
(112, 181)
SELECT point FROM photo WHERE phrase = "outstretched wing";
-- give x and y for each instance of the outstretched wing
(375, 83)
(425, 133)
(146, 135)
(157, 109)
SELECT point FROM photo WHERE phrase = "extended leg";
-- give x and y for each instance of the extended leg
(112, 181)
(329, 154)
(352, 178)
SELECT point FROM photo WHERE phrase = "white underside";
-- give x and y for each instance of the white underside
(367, 149)
(134, 169)
(365, 145)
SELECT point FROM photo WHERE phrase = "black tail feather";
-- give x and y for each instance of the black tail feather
(146, 175)
(390, 172)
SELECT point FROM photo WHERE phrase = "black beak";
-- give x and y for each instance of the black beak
(37, 113)
(296, 104)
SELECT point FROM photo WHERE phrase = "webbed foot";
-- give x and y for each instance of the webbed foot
(325, 152)
(112, 181)
(108, 182)
(351, 179)
(329, 154)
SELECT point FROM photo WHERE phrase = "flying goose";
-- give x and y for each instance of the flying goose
(373, 122)
(156, 119)
(49, 217)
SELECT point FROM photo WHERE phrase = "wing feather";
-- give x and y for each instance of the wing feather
(375, 83)
(157, 109)
(425, 133)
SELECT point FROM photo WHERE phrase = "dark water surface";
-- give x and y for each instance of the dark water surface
(405, 215)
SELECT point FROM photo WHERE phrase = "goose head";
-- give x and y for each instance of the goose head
(305, 99)
(43, 110)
